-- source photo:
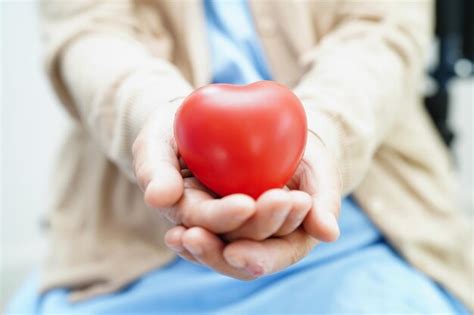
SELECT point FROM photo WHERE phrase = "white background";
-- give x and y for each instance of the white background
(31, 128)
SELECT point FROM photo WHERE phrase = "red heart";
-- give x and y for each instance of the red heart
(241, 138)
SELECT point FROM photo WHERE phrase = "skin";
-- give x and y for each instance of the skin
(237, 235)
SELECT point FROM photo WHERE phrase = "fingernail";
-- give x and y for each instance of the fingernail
(236, 261)
(254, 270)
(194, 249)
(330, 221)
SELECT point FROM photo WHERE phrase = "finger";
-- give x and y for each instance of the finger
(302, 203)
(271, 255)
(173, 240)
(319, 177)
(207, 249)
(157, 167)
(198, 208)
(272, 208)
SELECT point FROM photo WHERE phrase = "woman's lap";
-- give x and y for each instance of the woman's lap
(359, 283)
(359, 273)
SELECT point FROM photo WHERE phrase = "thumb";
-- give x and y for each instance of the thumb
(156, 164)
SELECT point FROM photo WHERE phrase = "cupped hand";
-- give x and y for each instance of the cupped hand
(168, 187)
(205, 221)
(247, 258)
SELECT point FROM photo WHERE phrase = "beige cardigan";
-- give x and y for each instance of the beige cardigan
(356, 66)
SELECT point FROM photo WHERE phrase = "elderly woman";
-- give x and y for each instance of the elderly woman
(121, 68)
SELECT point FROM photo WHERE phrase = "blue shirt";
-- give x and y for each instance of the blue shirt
(236, 53)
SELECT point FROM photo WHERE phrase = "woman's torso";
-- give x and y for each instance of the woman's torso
(108, 221)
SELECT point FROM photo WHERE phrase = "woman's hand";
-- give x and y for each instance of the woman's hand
(241, 259)
(181, 199)
(200, 216)
(249, 258)
(313, 199)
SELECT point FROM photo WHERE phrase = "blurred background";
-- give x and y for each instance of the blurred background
(32, 124)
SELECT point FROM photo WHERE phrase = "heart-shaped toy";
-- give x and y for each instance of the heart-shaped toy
(241, 138)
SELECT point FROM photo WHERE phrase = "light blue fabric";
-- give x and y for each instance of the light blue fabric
(359, 273)
(236, 53)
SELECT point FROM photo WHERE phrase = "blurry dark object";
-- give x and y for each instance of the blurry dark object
(468, 30)
(454, 29)
(437, 106)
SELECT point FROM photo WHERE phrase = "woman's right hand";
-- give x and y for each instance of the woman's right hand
(168, 188)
